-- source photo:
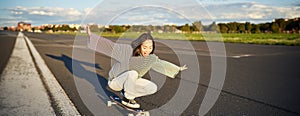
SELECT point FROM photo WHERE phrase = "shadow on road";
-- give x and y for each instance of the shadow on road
(76, 67)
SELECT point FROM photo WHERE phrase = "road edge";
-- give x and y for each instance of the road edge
(62, 102)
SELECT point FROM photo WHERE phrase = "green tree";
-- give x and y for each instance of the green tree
(274, 27)
(186, 28)
(241, 28)
(64, 28)
(232, 27)
(282, 24)
(54, 29)
(223, 27)
(117, 29)
(293, 25)
(256, 29)
(46, 28)
(248, 27)
(265, 27)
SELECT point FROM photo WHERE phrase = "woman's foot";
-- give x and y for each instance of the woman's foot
(129, 102)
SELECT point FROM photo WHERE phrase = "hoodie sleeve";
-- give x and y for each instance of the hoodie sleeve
(109, 48)
(166, 68)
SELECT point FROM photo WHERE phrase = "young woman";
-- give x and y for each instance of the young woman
(131, 63)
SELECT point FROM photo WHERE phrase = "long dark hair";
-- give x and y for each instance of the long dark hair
(136, 44)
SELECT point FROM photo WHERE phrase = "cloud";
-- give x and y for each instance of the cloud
(11, 21)
(186, 13)
(43, 15)
(110, 12)
(252, 11)
(87, 10)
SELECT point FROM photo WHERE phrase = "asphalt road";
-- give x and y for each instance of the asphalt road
(6, 45)
(260, 79)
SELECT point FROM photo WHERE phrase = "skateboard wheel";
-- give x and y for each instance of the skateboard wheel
(146, 114)
(143, 114)
(130, 115)
(109, 103)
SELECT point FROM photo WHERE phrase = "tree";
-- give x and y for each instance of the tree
(265, 27)
(174, 28)
(256, 29)
(149, 28)
(213, 27)
(274, 27)
(166, 28)
(293, 25)
(186, 28)
(197, 26)
(94, 28)
(232, 27)
(117, 29)
(282, 24)
(223, 28)
(64, 28)
(241, 28)
(248, 27)
(46, 28)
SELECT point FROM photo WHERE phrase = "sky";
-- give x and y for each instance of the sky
(148, 12)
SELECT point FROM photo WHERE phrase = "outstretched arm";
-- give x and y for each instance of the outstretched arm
(98, 43)
(107, 47)
(167, 68)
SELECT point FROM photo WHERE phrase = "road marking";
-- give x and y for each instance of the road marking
(241, 56)
(21, 89)
(61, 99)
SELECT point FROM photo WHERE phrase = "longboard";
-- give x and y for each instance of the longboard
(118, 101)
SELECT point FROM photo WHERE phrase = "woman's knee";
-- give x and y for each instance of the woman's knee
(133, 74)
(153, 88)
(114, 85)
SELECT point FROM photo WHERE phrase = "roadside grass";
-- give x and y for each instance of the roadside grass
(263, 38)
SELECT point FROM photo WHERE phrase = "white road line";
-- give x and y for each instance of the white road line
(21, 89)
(241, 56)
(61, 99)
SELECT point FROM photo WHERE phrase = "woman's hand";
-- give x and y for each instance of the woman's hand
(88, 31)
(184, 67)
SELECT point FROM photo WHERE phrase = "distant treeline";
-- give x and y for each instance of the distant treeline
(277, 26)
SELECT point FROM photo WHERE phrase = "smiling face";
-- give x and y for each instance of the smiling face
(146, 48)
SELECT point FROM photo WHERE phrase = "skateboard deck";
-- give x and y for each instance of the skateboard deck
(118, 101)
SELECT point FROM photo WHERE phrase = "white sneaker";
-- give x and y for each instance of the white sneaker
(130, 103)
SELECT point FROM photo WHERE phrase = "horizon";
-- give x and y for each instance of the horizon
(147, 24)
(155, 12)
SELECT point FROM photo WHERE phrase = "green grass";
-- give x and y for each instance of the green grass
(267, 38)
(264, 38)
